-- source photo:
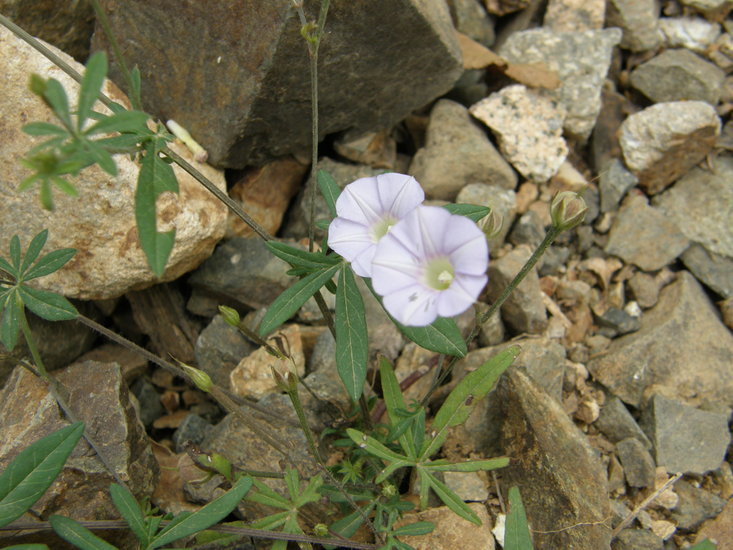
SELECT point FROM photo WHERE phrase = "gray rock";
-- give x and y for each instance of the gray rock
(709, 8)
(528, 125)
(502, 201)
(701, 205)
(296, 225)
(662, 142)
(581, 60)
(639, 467)
(470, 18)
(219, 348)
(644, 236)
(524, 310)
(614, 182)
(677, 75)
(192, 429)
(469, 486)
(560, 476)
(695, 505)
(457, 152)
(528, 230)
(683, 330)
(637, 539)
(713, 270)
(400, 56)
(574, 15)
(617, 424)
(694, 33)
(615, 322)
(604, 144)
(149, 405)
(685, 439)
(243, 270)
(109, 260)
(644, 288)
(639, 20)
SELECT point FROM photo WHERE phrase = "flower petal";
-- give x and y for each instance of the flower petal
(460, 295)
(412, 306)
(399, 194)
(359, 202)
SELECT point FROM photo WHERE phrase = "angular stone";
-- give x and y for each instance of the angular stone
(524, 310)
(528, 125)
(574, 15)
(695, 506)
(685, 439)
(677, 75)
(264, 193)
(219, 348)
(639, 467)
(559, 475)
(637, 539)
(662, 142)
(644, 236)
(502, 201)
(692, 33)
(701, 205)
(644, 289)
(604, 144)
(450, 531)
(681, 331)
(581, 60)
(243, 270)
(375, 149)
(109, 260)
(614, 182)
(193, 429)
(470, 18)
(456, 153)
(719, 529)
(99, 396)
(713, 270)
(400, 55)
(639, 20)
(469, 486)
(617, 424)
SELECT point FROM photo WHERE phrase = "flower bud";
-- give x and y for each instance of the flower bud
(230, 315)
(320, 530)
(389, 490)
(200, 379)
(285, 383)
(491, 224)
(567, 210)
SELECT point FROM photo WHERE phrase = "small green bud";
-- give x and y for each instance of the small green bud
(320, 530)
(285, 383)
(230, 315)
(567, 210)
(200, 379)
(389, 490)
(491, 224)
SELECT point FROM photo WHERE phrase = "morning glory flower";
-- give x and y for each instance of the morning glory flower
(366, 210)
(431, 264)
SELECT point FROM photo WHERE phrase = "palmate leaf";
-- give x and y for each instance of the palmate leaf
(516, 535)
(48, 305)
(351, 334)
(33, 471)
(9, 318)
(78, 535)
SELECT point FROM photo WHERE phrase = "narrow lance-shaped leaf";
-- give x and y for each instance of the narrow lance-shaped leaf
(91, 84)
(452, 500)
(415, 529)
(516, 534)
(394, 400)
(329, 189)
(48, 305)
(34, 249)
(78, 535)
(33, 471)
(55, 97)
(129, 509)
(53, 261)
(10, 319)
(285, 305)
(464, 397)
(351, 334)
(301, 258)
(468, 466)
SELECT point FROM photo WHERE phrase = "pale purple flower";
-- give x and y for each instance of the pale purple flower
(431, 264)
(366, 210)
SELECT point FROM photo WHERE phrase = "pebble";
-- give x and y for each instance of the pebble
(644, 289)
(637, 539)
(616, 423)
(469, 486)
(574, 15)
(685, 439)
(645, 236)
(528, 125)
(614, 181)
(677, 75)
(695, 505)
(713, 270)
(639, 20)
(375, 149)
(470, 18)
(660, 353)
(694, 33)
(587, 411)
(662, 142)
(616, 322)
(457, 152)
(192, 429)
(581, 60)
(638, 464)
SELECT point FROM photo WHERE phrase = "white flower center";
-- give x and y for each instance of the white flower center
(381, 228)
(439, 274)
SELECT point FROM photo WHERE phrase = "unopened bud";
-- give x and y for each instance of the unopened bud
(199, 378)
(389, 490)
(567, 210)
(320, 530)
(198, 152)
(491, 224)
(230, 315)
(221, 465)
(285, 383)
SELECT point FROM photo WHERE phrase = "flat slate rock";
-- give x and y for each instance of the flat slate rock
(236, 74)
(681, 348)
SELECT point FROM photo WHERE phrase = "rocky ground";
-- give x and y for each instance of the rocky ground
(626, 373)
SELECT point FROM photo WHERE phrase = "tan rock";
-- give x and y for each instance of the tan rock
(450, 531)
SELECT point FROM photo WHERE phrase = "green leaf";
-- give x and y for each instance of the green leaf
(298, 257)
(91, 84)
(55, 97)
(351, 334)
(271, 522)
(450, 499)
(471, 211)
(468, 466)
(122, 143)
(34, 249)
(44, 129)
(348, 525)
(15, 254)
(135, 85)
(78, 535)
(5, 266)
(285, 305)
(48, 305)
(212, 513)
(415, 529)
(516, 535)
(10, 322)
(130, 511)
(33, 471)
(29, 546)
(464, 397)
(704, 545)
(53, 261)
(329, 189)
(394, 401)
(100, 156)
(125, 121)
(373, 446)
